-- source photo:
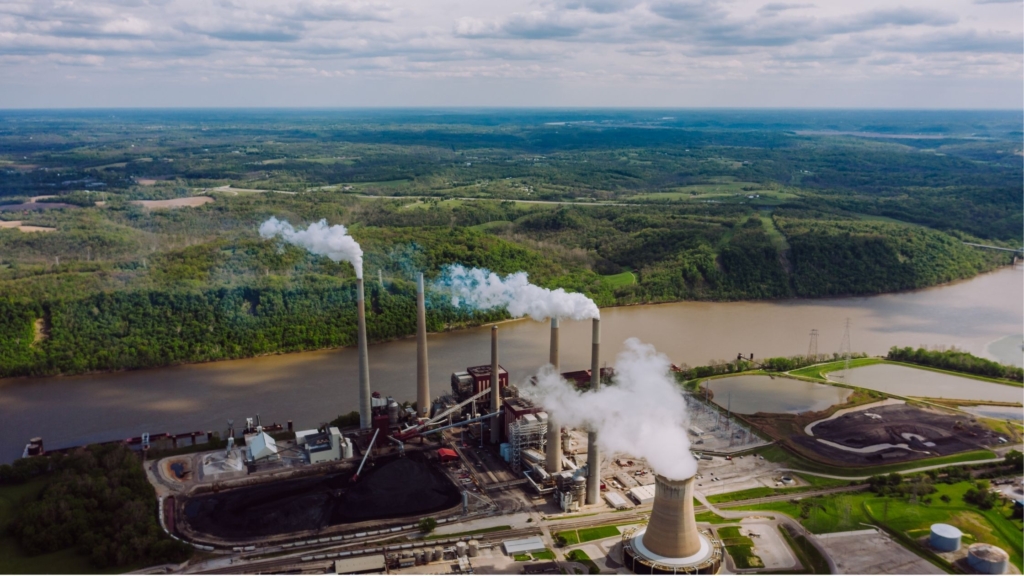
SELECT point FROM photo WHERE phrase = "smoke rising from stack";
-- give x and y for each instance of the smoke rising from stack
(481, 289)
(642, 414)
(319, 238)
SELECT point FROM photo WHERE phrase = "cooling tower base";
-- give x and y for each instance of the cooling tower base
(639, 560)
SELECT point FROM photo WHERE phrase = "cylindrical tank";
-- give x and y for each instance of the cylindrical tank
(393, 413)
(987, 559)
(672, 529)
(473, 549)
(438, 553)
(461, 548)
(346, 449)
(421, 557)
(945, 538)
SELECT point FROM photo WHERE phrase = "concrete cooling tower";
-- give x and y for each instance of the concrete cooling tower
(671, 542)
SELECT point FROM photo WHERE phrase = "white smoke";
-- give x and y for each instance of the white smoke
(482, 289)
(319, 238)
(642, 414)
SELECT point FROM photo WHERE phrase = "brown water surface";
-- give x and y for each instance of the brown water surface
(311, 387)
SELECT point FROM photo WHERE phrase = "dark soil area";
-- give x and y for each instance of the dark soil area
(928, 434)
(396, 488)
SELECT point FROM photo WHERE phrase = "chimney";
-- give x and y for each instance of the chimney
(593, 452)
(672, 529)
(495, 388)
(422, 367)
(364, 360)
(554, 450)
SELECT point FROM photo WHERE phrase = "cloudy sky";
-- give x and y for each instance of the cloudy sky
(663, 53)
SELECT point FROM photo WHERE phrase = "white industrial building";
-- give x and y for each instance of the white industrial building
(524, 546)
(615, 500)
(260, 446)
(321, 446)
(642, 494)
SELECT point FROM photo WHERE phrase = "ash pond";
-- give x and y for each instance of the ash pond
(393, 489)
(752, 394)
(906, 381)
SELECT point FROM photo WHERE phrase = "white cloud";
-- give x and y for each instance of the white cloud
(559, 52)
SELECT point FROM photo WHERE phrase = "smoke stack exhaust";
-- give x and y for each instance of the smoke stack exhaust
(364, 360)
(593, 452)
(672, 529)
(422, 367)
(554, 453)
(495, 388)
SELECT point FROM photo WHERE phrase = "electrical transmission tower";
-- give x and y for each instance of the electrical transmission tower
(812, 347)
(844, 349)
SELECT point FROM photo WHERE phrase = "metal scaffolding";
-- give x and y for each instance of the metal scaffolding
(526, 435)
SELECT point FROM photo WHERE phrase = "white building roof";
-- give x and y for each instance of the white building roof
(524, 545)
(361, 565)
(642, 494)
(616, 500)
(262, 446)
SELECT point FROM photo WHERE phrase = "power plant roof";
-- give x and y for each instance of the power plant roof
(524, 545)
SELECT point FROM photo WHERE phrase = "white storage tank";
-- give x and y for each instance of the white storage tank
(461, 549)
(346, 449)
(945, 538)
(987, 559)
(438, 553)
(473, 548)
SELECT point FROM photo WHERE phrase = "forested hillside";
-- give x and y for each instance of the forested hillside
(627, 212)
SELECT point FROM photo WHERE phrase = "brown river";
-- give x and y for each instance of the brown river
(982, 315)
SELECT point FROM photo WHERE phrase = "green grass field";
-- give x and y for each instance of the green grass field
(712, 518)
(616, 280)
(583, 558)
(598, 533)
(545, 555)
(809, 556)
(818, 371)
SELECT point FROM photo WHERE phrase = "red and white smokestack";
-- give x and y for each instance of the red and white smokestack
(593, 452)
(365, 416)
(554, 451)
(495, 388)
(422, 367)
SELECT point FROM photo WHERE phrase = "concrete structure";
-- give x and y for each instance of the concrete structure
(260, 446)
(422, 366)
(554, 449)
(987, 559)
(364, 359)
(642, 494)
(372, 564)
(323, 446)
(524, 545)
(593, 452)
(671, 543)
(945, 538)
(496, 387)
(615, 500)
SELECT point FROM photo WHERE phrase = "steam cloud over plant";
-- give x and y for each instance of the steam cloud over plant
(482, 289)
(642, 414)
(319, 238)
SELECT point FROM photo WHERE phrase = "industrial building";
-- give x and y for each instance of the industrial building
(671, 543)
(324, 444)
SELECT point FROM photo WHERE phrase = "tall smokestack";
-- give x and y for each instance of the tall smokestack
(593, 452)
(495, 388)
(554, 455)
(364, 359)
(672, 529)
(422, 367)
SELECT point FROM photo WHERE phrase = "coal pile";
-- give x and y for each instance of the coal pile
(395, 488)
(399, 488)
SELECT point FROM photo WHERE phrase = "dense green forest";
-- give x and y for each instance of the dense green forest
(627, 209)
(957, 361)
(97, 501)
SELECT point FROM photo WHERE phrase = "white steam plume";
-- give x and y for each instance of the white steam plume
(642, 414)
(331, 241)
(483, 290)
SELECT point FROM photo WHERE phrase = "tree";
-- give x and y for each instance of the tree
(427, 525)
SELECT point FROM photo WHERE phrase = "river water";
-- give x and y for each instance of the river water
(311, 387)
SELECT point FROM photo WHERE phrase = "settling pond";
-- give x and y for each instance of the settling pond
(905, 381)
(751, 394)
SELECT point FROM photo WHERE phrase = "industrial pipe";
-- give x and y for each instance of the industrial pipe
(554, 450)
(364, 360)
(369, 448)
(495, 388)
(422, 368)
(593, 452)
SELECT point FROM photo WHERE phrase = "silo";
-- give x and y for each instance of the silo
(438, 553)
(473, 549)
(347, 450)
(945, 538)
(392, 412)
(460, 549)
(987, 559)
